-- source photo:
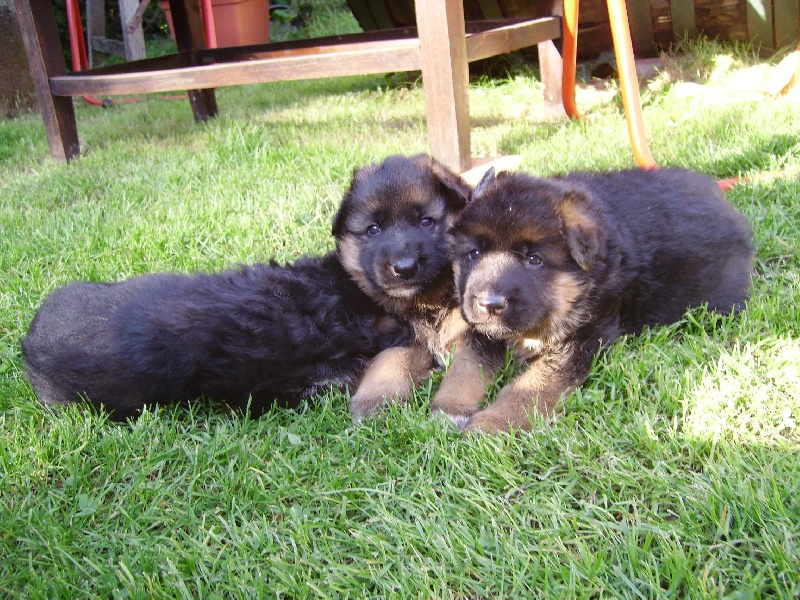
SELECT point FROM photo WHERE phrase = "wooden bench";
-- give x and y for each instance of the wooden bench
(441, 46)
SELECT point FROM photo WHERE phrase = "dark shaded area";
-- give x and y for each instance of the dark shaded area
(16, 88)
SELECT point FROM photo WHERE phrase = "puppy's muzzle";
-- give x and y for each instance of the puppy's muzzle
(405, 268)
(492, 304)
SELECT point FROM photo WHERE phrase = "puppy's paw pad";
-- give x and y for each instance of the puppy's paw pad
(359, 410)
(458, 420)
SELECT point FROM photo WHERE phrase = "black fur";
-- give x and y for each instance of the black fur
(391, 232)
(559, 268)
(273, 333)
(391, 235)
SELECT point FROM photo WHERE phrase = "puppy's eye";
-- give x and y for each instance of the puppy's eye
(535, 260)
(373, 229)
(474, 254)
(426, 222)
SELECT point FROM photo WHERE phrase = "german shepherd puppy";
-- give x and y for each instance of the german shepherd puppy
(251, 336)
(391, 234)
(559, 268)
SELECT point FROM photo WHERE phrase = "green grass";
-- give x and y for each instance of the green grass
(673, 473)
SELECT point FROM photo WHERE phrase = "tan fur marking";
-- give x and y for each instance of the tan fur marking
(390, 377)
(349, 255)
(573, 211)
(580, 229)
(452, 329)
(565, 291)
(539, 388)
(464, 385)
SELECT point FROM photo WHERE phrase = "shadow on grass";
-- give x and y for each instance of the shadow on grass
(165, 117)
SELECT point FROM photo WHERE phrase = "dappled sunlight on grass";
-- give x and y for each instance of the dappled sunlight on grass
(671, 473)
(750, 393)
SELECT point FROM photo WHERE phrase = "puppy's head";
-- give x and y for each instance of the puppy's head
(391, 229)
(524, 251)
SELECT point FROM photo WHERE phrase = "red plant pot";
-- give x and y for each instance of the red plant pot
(237, 22)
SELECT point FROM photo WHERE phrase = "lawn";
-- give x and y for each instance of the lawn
(673, 473)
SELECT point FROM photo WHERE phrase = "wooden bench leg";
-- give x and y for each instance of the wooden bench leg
(189, 35)
(204, 104)
(550, 66)
(445, 75)
(45, 60)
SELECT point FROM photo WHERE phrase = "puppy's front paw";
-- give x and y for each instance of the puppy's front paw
(364, 404)
(390, 377)
(457, 420)
(458, 414)
(455, 402)
(486, 421)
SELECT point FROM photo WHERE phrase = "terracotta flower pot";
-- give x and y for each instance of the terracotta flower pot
(237, 22)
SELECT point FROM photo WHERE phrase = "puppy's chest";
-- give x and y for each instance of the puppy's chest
(527, 349)
(441, 331)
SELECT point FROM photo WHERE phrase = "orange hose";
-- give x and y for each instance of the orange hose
(570, 58)
(629, 82)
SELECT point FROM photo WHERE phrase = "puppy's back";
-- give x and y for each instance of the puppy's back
(683, 240)
(72, 340)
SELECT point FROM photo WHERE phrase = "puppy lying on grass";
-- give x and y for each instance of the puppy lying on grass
(248, 337)
(559, 268)
(391, 234)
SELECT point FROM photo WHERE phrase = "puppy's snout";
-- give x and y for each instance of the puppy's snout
(494, 304)
(405, 268)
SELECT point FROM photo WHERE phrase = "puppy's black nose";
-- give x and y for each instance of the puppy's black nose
(405, 268)
(494, 304)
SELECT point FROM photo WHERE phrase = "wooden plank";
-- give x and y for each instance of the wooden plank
(491, 9)
(328, 44)
(380, 13)
(787, 32)
(398, 38)
(512, 37)
(95, 27)
(361, 12)
(46, 60)
(641, 26)
(236, 66)
(759, 23)
(133, 40)
(276, 51)
(158, 63)
(683, 19)
(239, 73)
(107, 46)
(445, 76)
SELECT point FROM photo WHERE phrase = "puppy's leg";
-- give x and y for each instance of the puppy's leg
(390, 376)
(475, 363)
(539, 388)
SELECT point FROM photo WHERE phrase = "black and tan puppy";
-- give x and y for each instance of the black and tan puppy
(255, 335)
(391, 233)
(559, 268)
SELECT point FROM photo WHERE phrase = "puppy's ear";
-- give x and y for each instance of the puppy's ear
(484, 183)
(346, 207)
(455, 190)
(582, 228)
(340, 218)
